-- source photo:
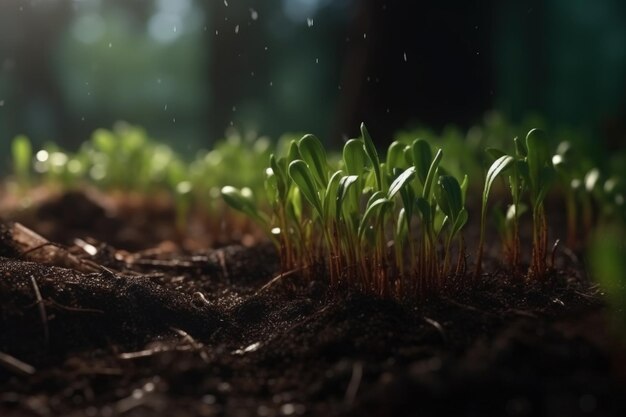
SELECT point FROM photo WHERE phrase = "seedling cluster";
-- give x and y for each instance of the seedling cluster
(394, 225)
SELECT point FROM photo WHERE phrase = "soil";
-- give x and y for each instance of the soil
(173, 332)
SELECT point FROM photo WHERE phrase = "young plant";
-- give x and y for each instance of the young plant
(498, 166)
(540, 177)
(22, 153)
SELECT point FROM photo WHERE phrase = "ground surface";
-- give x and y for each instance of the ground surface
(196, 334)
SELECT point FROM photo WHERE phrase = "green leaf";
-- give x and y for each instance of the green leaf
(22, 152)
(344, 186)
(301, 175)
(460, 221)
(450, 196)
(520, 148)
(354, 157)
(431, 174)
(538, 156)
(312, 152)
(422, 156)
(330, 195)
(376, 209)
(423, 206)
(495, 153)
(400, 182)
(242, 201)
(370, 150)
(498, 166)
(395, 156)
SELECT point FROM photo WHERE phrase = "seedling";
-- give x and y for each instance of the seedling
(22, 153)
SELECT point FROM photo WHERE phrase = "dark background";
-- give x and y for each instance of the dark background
(187, 70)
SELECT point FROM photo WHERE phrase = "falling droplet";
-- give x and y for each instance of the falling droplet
(165, 108)
(217, 32)
(226, 3)
(236, 29)
(309, 21)
(317, 60)
(265, 48)
(365, 36)
(1, 103)
(174, 29)
(110, 45)
(234, 108)
(174, 119)
(254, 15)
(271, 83)
(405, 57)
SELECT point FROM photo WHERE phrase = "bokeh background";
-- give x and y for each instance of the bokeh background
(187, 70)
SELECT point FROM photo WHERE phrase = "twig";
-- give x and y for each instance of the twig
(13, 364)
(199, 347)
(355, 382)
(437, 327)
(42, 311)
(279, 277)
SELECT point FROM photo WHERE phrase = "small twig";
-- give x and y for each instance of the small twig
(13, 364)
(355, 382)
(554, 248)
(437, 327)
(222, 260)
(42, 311)
(280, 277)
(199, 347)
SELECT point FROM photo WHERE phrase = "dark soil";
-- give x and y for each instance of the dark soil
(196, 334)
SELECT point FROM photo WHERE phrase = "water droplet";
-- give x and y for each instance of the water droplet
(1, 103)
(110, 45)
(271, 83)
(309, 21)
(217, 32)
(405, 57)
(265, 48)
(82, 118)
(158, 81)
(165, 108)
(234, 108)
(253, 14)
(317, 60)
(252, 74)
(226, 3)
(174, 119)
(236, 29)
(174, 28)
(365, 36)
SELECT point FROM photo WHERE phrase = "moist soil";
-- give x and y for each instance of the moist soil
(173, 332)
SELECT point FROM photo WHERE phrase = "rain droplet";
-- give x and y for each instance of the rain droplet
(309, 21)
(365, 36)
(174, 28)
(236, 29)
(1, 103)
(234, 108)
(265, 48)
(217, 32)
(271, 83)
(226, 3)
(405, 57)
(174, 119)
(252, 73)
(253, 14)
(158, 81)
(165, 108)
(110, 45)
(317, 60)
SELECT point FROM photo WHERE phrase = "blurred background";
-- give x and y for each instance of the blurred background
(187, 70)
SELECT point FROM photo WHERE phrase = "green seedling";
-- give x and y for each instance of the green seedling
(499, 166)
(22, 153)
(540, 177)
